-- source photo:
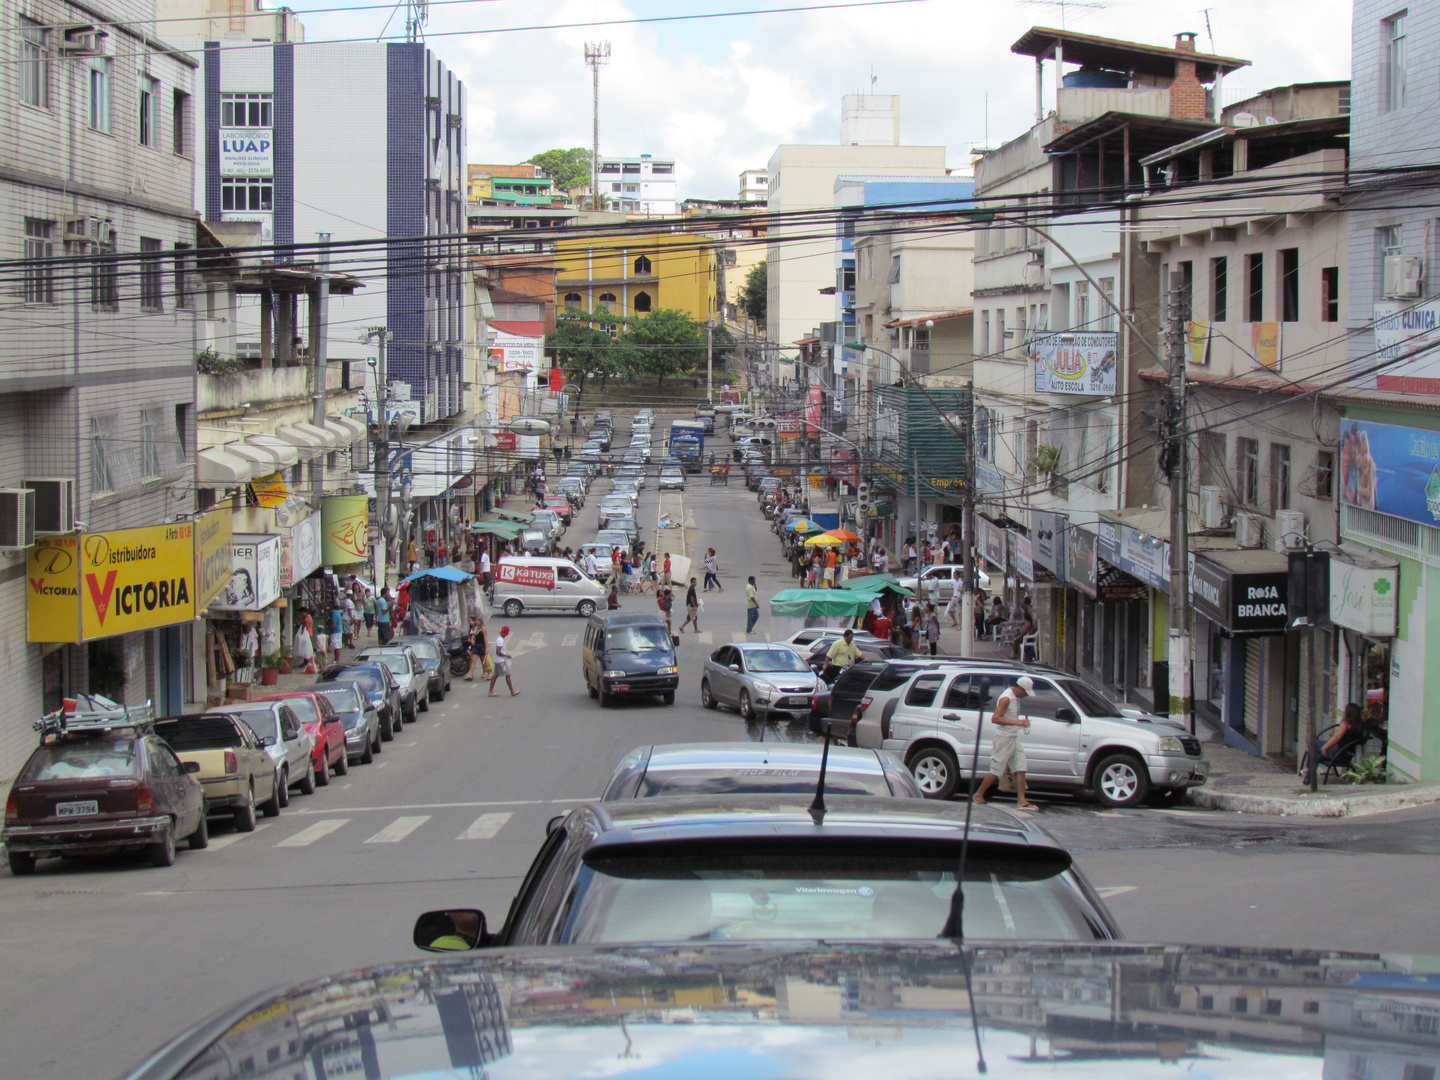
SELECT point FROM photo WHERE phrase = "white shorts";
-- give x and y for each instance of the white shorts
(1006, 755)
(337, 641)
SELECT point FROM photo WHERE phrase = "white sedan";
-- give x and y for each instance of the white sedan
(801, 640)
(948, 573)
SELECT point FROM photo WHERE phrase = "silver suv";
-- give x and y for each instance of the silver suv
(1078, 739)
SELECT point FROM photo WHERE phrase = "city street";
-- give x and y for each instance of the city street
(105, 960)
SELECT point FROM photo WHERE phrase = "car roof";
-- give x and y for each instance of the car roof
(627, 618)
(729, 755)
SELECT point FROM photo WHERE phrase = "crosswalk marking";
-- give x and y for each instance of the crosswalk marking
(484, 827)
(398, 829)
(737, 636)
(569, 641)
(307, 836)
(225, 841)
(707, 637)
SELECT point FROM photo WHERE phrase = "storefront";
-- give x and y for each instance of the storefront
(1127, 573)
(1057, 603)
(1364, 588)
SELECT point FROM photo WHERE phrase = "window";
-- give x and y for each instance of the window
(1329, 294)
(1391, 239)
(180, 122)
(984, 333)
(1393, 39)
(34, 64)
(631, 189)
(1219, 288)
(105, 280)
(182, 430)
(616, 187)
(99, 92)
(1107, 310)
(983, 449)
(642, 301)
(666, 170)
(1312, 1007)
(246, 193)
(894, 277)
(1082, 306)
(1020, 323)
(1272, 1006)
(1324, 474)
(572, 298)
(39, 250)
(1211, 447)
(1255, 287)
(1186, 287)
(182, 281)
(151, 274)
(245, 110)
(1240, 1005)
(149, 88)
(1000, 345)
(1289, 284)
(1247, 459)
(1415, 1070)
(607, 298)
(642, 265)
(149, 451)
(1207, 1003)
(102, 431)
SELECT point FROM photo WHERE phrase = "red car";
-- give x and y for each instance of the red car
(320, 719)
(561, 505)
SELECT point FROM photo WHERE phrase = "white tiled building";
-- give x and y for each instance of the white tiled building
(639, 185)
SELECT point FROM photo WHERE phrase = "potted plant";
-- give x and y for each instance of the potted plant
(286, 667)
(270, 669)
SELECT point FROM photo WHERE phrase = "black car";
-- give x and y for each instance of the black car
(431, 651)
(379, 686)
(839, 700)
(759, 868)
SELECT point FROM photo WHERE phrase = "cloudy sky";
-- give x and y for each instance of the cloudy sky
(719, 94)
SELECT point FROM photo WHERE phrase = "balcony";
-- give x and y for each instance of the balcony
(257, 387)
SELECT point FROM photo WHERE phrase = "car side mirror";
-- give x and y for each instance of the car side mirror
(268, 740)
(190, 766)
(1066, 714)
(734, 667)
(456, 930)
(553, 824)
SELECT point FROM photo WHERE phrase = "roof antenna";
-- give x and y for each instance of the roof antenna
(955, 923)
(817, 805)
(980, 1065)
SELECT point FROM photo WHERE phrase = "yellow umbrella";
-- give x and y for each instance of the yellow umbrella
(842, 534)
(825, 540)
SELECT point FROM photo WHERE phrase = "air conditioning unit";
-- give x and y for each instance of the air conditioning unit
(1290, 524)
(1248, 530)
(77, 230)
(54, 504)
(1212, 507)
(81, 39)
(1402, 276)
(102, 231)
(17, 518)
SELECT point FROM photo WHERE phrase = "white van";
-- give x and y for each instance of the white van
(545, 584)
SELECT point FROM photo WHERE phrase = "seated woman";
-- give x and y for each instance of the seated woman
(1343, 741)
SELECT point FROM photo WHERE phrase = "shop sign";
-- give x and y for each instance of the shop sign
(53, 588)
(1145, 557)
(1391, 470)
(1363, 598)
(1047, 537)
(1240, 603)
(539, 577)
(988, 480)
(270, 491)
(1082, 364)
(247, 152)
(212, 555)
(1081, 562)
(1402, 328)
(342, 529)
(300, 550)
(990, 539)
(1107, 542)
(1023, 556)
(516, 352)
(1112, 583)
(254, 574)
(506, 441)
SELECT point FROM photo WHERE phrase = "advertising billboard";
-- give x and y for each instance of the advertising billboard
(1391, 470)
(247, 152)
(1083, 364)
(540, 577)
(254, 574)
(343, 519)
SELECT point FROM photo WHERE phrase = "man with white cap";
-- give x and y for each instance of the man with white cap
(1006, 753)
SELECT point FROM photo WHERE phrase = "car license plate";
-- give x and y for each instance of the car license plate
(620, 686)
(77, 809)
(1201, 770)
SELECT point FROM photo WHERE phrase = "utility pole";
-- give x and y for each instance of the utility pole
(596, 55)
(709, 361)
(319, 351)
(915, 480)
(967, 529)
(382, 457)
(1177, 459)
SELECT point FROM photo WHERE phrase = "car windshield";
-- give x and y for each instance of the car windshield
(670, 472)
(199, 733)
(613, 537)
(1091, 703)
(748, 897)
(759, 780)
(369, 681)
(773, 660)
(398, 663)
(345, 698)
(261, 721)
(637, 639)
(304, 710)
(424, 648)
(94, 759)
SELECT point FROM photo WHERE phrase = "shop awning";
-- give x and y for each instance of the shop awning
(357, 429)
(216, 468)
(342, 433)
(308, 446)
(285, 453)
(263, 460)
(506, 530)
(330, 439)
(813, 603)
(444, 573)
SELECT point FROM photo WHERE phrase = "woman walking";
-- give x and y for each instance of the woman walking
(303, 648)
(692, 608)
(712, 570)
(476, 641)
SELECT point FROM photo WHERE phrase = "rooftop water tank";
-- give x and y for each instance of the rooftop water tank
(1093, 78)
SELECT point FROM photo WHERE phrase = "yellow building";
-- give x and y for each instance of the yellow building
(636, 274)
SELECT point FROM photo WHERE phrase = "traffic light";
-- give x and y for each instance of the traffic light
(862, 497)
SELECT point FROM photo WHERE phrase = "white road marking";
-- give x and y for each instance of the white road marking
(737, 636)
(569, 641)
(484, 827)
(225, 841)
(1114, 890)
(398, 829)
(378, 765)
(445, 806)
(707, 637)
(307, 836)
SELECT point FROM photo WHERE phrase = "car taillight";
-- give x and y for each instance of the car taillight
(232, 763)
(864, 704)
(12, 808)
(144, 799)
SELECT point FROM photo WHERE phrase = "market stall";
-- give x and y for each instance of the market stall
(792, 610)
(442, 599)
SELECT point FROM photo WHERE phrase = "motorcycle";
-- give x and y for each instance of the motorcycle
(458, 649)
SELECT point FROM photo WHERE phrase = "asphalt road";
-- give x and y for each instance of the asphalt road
(104, 960)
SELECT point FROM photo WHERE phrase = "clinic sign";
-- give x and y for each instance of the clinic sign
(247, 152)
(1075, 363)
(1363, 598)
(99, 585)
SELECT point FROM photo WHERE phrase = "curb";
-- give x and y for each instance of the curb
(1321, 807)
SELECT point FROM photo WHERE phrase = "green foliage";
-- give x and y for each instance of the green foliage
(665, 342)
(755, 291)
(210, 362)
(270, 660)
(582, 350)
(1367, 770)
(659, 345)
(568, 168)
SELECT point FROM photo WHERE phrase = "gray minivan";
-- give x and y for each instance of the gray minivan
(626, 652)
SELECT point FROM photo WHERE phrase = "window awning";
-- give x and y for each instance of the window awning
(329, 439)
(344, 437)
(357, 429)
(307, 445)
(262, 459)
(285, 453)
(215, 468)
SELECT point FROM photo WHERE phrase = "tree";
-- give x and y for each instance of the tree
(569, 169)
(665, 342)
(755, 292)
(582, 350)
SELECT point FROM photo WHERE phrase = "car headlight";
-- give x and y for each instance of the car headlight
(614, 674)
(667, 671)
(1169, 744)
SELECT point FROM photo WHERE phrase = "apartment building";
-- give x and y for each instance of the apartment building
(754, 185)
(643, 184)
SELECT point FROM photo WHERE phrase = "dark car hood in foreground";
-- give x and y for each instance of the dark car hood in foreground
(902, 1010)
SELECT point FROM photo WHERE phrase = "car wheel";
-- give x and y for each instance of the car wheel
(322, 774)
(605, 699)
(935, 770)
(1121, 781)
(423, 704)
(586, 608)
(668, 697)
(706, 697)
(412, 715)
(387, 730)
(21, 863)
(162, 852)
(342, 766)
(282, 787)
(245, 815)
(590, 688)
(747, 711)
(513, 608)
(199, 840)
(438, 695)
(307, 783)
(271, 806)
(368, 754)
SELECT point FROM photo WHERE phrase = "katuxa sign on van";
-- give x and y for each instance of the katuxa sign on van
(538, 577)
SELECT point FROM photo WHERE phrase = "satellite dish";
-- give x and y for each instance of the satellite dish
(530, 425)
(1244, 120)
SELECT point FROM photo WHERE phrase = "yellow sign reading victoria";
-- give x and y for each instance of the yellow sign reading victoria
(213, 534)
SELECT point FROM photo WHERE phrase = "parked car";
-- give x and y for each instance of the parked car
(573, 488)
(840, 699)
(536, 541)
(633, 470)
(628, 525)
(360, 719)
(318, 718)
(615, 538)
(431, 651)
(624, 653)
(672, 478)
(550, 521)
(948, 574)
(112, 787)
(234, 770)
(560, 506)
(801, 640)
(379, 686)
(757, 678)
(601, 435)
(285, 739)
(870, 648)
(411, 675)
(751, 768)
(615, 506)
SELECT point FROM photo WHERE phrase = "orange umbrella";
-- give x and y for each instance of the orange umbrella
(843, 534)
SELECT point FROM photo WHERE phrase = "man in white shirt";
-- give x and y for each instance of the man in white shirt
(501, 660)
(590, 566)
(1006, 753)
(485, 567)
